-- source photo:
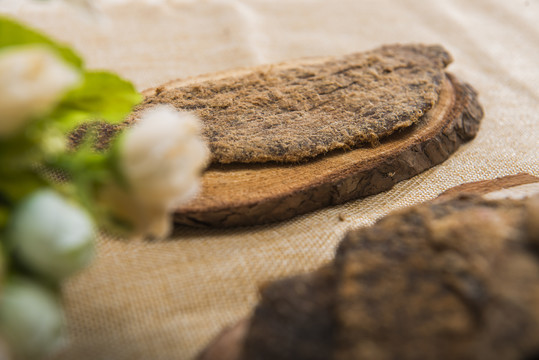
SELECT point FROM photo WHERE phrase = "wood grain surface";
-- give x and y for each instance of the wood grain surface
(248, 194)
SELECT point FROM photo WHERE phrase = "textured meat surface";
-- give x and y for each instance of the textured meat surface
(290, 113)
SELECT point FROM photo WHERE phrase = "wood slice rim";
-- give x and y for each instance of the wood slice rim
(249, 194)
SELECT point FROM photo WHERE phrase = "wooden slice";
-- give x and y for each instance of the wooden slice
(248, 194)
(490, 186)
(290, 138)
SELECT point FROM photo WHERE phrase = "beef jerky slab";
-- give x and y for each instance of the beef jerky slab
(290, 138)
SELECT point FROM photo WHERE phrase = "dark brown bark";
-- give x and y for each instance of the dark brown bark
(455, 278)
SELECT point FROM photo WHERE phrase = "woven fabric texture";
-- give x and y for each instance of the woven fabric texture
(166, 299)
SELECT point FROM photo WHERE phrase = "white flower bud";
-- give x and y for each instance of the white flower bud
(31, 319)
(161, 157)
(32, 81)
(51, 236)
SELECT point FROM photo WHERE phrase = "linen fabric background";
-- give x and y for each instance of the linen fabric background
(167, 299)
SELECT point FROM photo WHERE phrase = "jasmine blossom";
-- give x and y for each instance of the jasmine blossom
(161, 158)
(52, 236)
(32, 80)
(31, 318)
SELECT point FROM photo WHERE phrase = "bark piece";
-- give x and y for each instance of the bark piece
(456, 278)
(489, 186)
(227, 346)
(247, 194)
(294, 320)
(451, 280)
(295, 111)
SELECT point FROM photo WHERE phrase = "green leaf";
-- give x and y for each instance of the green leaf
(4, 216)
(13, 33)
(101, 96)
(17, 186)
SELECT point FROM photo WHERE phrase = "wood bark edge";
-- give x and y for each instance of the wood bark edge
(459, 125)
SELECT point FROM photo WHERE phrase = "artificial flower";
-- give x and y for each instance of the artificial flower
(32, 81)
(161, 159)
(51, 236)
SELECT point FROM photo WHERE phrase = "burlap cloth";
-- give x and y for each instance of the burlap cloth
(165, 300)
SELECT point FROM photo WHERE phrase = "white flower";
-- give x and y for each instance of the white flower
(161, 158)
(51, 236)
(32, 81)
(31, 319)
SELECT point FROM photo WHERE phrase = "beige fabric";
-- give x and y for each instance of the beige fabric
(166, 299)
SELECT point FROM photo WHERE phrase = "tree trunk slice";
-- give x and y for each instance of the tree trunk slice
(229, 344)
(249, 194)
(489, 186)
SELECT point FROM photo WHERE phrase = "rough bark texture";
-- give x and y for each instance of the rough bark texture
(452, 279)
(294, 320)
(295, 111)
(255, 194)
